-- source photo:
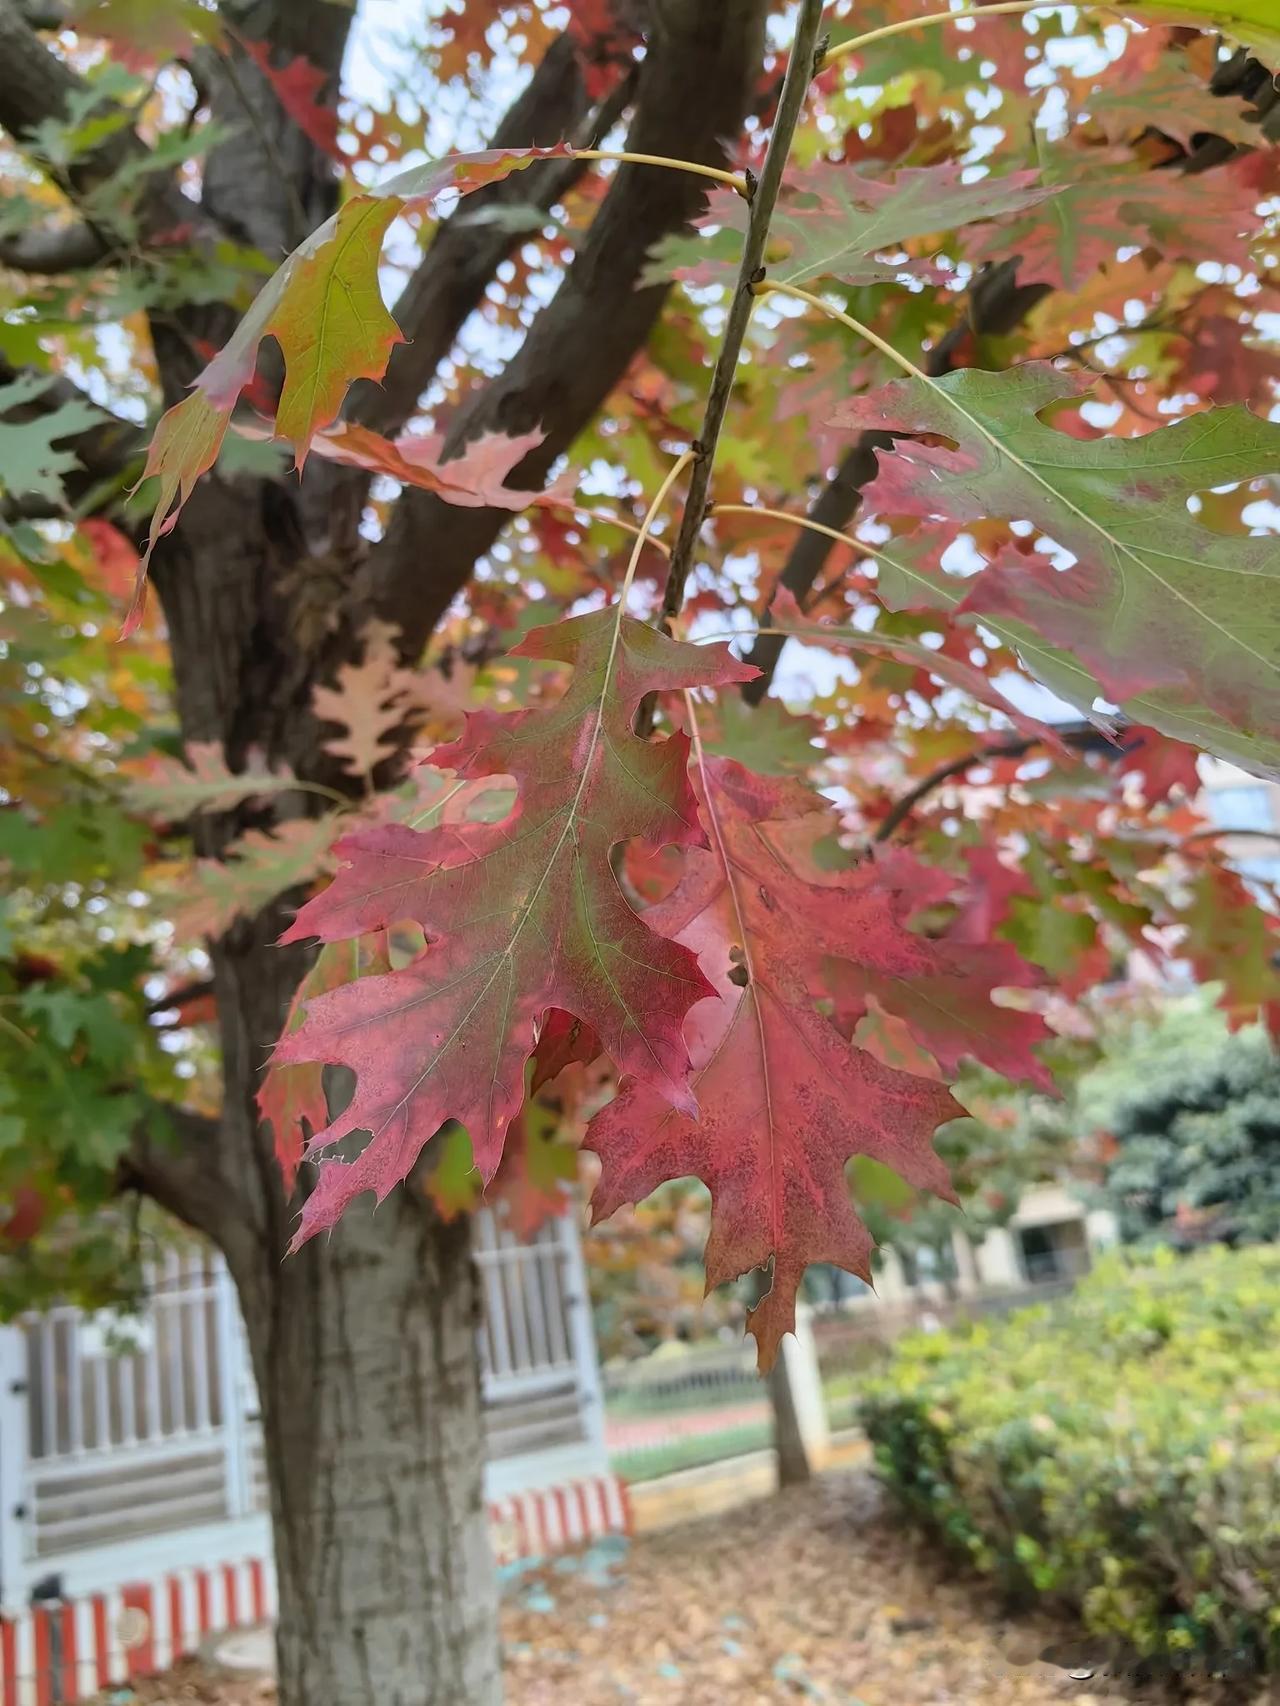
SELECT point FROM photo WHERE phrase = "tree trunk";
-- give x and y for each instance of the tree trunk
(365, 1356)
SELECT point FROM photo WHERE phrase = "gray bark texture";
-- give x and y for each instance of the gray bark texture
(364, 1343)
(371, 1411)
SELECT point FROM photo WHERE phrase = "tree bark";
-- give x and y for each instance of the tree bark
(365, 1356)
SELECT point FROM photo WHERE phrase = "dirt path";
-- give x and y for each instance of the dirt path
(813, 1596)
(818, 1596)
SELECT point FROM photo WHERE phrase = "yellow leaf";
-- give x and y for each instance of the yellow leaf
(331, 322)
(1256, 23)
(185, 444)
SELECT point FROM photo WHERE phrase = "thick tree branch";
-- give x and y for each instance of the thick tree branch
(465, 251)
(53, 248)
(694, 88)
(180, 1170)
(36, 85)
(266, 178)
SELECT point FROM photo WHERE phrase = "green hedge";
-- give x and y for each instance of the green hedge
(1117, 1453)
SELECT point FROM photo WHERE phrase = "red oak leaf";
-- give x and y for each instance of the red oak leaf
(940, 988)
(292, 1098)
(1157, 605)
(298, 85)
(474, 480)
(520, 916)
(324, 307)
(563, 1041)
(1162, 763)
(992, 886)
(25, 1213)
(605, 34)
(786, 1099)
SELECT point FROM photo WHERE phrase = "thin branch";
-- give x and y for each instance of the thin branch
(995, 305)
(1083, 736)
(1213, 830)
(177, 997)
(763, 197)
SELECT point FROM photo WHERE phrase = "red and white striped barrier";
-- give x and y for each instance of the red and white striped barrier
(62, 1652)
(555, 1519)
(67, 1651)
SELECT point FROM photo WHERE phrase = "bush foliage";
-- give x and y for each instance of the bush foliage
(1197, 1152)
(1117, 1453)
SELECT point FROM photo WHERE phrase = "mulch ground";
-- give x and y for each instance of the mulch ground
(820, 1595)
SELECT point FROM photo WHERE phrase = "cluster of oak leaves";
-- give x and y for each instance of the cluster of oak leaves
(727, 984)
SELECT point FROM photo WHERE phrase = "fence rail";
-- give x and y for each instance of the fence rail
(115, 1428)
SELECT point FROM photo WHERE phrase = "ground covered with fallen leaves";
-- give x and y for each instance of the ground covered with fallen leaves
(820, 1595)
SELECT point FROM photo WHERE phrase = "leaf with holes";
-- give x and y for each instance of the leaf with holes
(833, 223)
(521, 917)
(291, 1098)
(1156, 605)
(324, 305)
(786, 1099)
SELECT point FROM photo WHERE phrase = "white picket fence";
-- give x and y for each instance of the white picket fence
(126, 1443)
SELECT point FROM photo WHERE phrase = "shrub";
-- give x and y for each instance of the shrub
(1117, 1453)
(1197, 1150)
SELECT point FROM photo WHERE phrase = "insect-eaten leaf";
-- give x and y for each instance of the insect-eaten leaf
(786, 1099)
(521, 917)
(324, 307)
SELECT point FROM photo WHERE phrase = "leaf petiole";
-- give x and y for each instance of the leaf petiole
(734, 180)
(1006, 8)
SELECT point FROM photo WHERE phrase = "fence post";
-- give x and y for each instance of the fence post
(805, 1380)
(13, 1464)
(582, 1335)
(231, 1395)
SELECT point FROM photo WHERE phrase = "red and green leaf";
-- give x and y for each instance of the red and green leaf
(786, 1099)
(1185, 619)
(521, 917)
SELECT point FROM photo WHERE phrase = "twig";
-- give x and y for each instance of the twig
(1082, 735)
(764, 195)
